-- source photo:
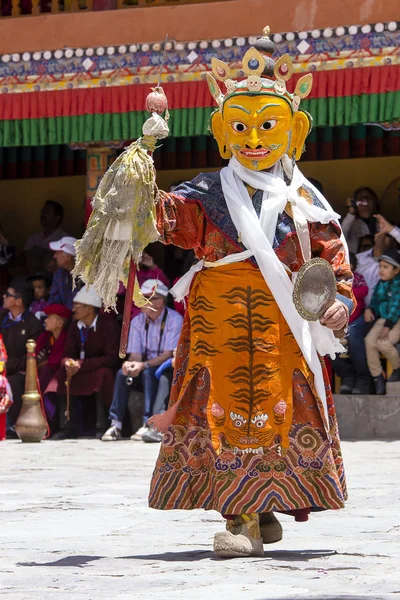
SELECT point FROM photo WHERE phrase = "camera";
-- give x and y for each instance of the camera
(129, 380)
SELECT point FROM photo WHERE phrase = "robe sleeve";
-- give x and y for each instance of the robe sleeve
(326, 243)
(180, 221)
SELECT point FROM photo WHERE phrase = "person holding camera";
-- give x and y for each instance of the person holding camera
(360, 220)
(153, 336)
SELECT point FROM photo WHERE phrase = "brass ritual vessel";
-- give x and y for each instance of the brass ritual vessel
(31, 425)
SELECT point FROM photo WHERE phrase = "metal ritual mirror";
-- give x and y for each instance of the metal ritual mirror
(314, 289)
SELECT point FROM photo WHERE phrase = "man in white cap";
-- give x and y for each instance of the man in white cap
(90, 363)
(62, 286)
(153, 336)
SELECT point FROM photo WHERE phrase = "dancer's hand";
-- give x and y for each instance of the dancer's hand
(335, 317)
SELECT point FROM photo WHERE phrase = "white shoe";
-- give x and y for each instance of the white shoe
(152, 436)
(113, 434)
(137, 437)
(241, 539)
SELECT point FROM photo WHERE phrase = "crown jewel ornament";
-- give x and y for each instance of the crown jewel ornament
(264, 75)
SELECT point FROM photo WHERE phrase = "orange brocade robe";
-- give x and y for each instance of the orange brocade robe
(248, 433)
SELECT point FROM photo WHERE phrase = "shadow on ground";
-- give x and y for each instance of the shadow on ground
(67, 561)
(188, 556)
(193, 555)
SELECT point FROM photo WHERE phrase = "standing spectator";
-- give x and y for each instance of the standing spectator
(153, 336)
(384, 312)
(51, 217)
(36, 247)
(360, 220)
(41, 283)
(17, 326)
(353, 368)
(62, 287)
(50, 351)
(90, 361)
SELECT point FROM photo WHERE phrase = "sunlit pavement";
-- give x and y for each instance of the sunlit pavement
(74, 523)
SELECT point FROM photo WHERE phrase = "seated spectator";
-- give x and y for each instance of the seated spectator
(359, 220)
(353, 368)
(17, 326)
(62, 291)
(89, 364)
(384, 312)
(37, 245)
(153, 336)
(41, 284)
(367, 264)
(50, 351)
(366, 243)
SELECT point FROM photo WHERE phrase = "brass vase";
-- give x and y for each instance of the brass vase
(31, 425)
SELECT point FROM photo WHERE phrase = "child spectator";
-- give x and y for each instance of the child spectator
(384, 310)
(49, 351)
(41, 283)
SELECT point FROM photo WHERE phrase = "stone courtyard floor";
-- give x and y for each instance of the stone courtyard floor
(74, 523)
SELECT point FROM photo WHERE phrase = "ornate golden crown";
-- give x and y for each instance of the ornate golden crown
(264, 76)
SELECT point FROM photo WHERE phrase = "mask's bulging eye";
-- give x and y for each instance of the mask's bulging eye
(239, 127)
(268, 125)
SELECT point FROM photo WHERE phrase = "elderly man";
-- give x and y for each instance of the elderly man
(62, 287)
(153, 336)
(90, 361)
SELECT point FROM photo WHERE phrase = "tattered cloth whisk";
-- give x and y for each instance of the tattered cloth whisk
(123, 221)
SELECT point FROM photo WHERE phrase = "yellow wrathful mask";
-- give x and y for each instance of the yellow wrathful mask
(258, 120)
